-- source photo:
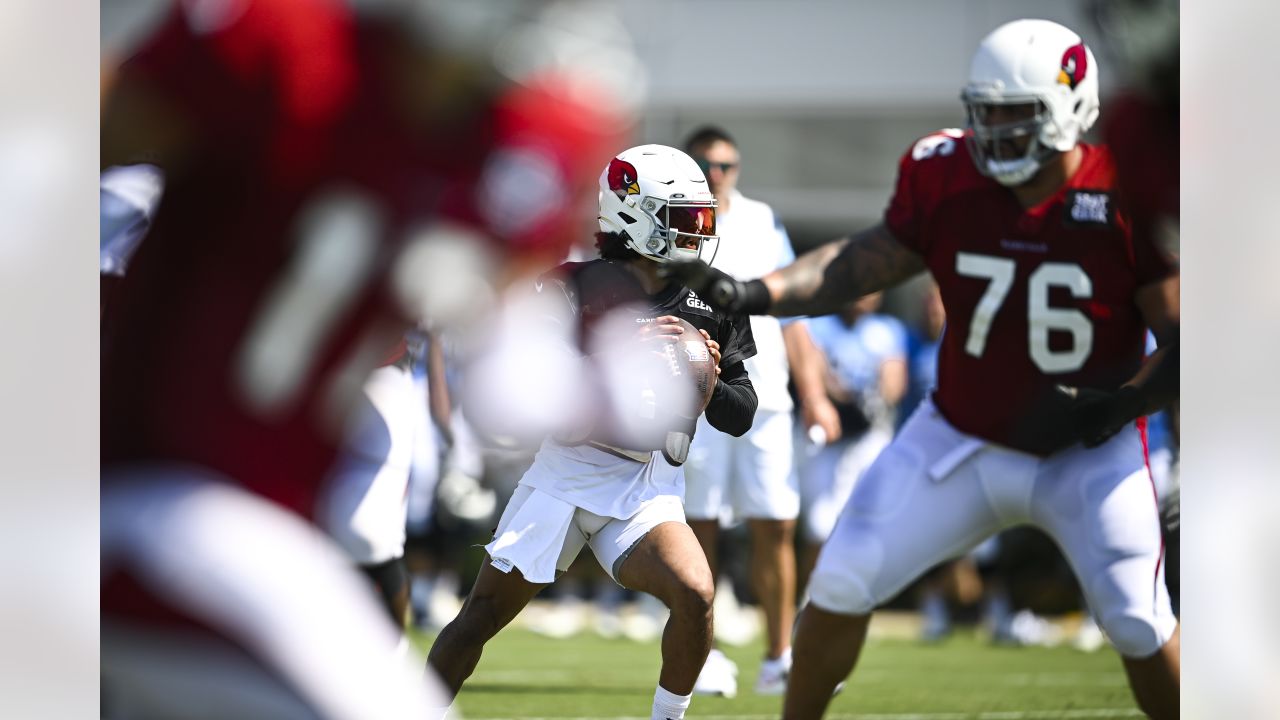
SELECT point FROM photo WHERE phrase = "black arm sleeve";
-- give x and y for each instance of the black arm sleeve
(733, 403)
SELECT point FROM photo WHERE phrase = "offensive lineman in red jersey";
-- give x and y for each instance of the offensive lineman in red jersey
(1048, 294)
(311, 154)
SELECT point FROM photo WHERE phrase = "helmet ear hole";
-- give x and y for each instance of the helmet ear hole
(1077, 105)
(627, 218)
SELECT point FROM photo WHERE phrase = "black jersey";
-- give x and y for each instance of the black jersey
(597, 288)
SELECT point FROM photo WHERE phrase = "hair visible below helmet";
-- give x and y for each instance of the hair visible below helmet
(1030, 62)
(657, 198)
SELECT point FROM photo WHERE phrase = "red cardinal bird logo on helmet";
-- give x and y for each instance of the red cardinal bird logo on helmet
(1075, 65)
(623, 178)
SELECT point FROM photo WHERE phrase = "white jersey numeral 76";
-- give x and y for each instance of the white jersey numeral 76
(1041, 318)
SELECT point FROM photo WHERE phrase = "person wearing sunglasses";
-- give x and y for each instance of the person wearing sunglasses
(752, 477)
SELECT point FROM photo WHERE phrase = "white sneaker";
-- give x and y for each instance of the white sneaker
(1027, 629)
(1089, 637)
(719, 676)
(773, 675)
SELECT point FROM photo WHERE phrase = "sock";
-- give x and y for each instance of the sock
(669, 706)
(784, 659)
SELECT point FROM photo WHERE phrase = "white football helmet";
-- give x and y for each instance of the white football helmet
(1037, 63)
(658, 199)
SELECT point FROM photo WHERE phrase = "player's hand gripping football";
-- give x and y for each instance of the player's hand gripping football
(719, 288)
(666, 329)
(714, 347)
(1095, 415)
(663, 329)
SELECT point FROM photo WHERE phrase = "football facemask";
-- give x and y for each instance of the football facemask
(1043, 68)
(1006, 150)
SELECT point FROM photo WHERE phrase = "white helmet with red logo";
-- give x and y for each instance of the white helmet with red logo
(1029, 62)
(658, 199)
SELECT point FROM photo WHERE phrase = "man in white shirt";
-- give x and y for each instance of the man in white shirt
(753, 476)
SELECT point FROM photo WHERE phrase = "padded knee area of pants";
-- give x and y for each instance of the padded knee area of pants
(843, 584)
(1132, 635)
(1132, 606)
(840, 593)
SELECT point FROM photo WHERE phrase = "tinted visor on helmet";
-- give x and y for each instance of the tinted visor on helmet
(691, 232)
(689, 225)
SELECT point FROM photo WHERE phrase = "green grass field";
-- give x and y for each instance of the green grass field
(523, 675)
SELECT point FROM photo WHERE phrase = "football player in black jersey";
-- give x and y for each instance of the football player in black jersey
(616, 484)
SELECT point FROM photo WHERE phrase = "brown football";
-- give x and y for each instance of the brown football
(691, 357)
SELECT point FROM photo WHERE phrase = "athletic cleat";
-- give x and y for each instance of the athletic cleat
(1026, 629)
(719, 676)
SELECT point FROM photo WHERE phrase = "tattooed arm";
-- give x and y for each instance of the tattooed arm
(820, 282)
(830, 276)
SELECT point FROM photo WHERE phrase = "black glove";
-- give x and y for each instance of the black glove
(719, 288)
(1096, 415)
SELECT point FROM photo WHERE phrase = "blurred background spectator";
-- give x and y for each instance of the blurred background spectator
(866, 378)
(751, 478)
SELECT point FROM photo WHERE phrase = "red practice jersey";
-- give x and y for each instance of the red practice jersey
(1034, 297)
(259, 299)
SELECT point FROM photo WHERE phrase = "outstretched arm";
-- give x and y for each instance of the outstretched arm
(830, 276)
(820, 282)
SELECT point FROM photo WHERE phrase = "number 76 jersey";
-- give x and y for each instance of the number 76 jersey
(1035, 297)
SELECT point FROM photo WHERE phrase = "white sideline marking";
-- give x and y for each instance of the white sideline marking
(1082, 714)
